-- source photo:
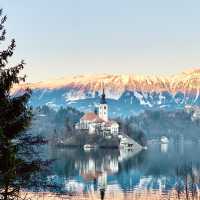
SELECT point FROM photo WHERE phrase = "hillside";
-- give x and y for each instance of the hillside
(173, 124)
(127, 94)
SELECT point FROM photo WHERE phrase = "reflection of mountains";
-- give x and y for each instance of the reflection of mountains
(152, 169)
(161, 170)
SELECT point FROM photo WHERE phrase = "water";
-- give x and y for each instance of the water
(163, 168)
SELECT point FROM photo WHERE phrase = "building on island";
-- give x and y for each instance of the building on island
(99, 122)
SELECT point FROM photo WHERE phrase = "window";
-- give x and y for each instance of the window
(104, 107)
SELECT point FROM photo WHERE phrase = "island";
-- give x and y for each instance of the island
(97, 130)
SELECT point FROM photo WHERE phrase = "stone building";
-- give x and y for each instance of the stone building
(99, 122)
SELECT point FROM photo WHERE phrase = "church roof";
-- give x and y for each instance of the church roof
(99, 120)
(90, 116)
(94, 118)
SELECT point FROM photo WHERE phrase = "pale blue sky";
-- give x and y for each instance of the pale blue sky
(61, 37)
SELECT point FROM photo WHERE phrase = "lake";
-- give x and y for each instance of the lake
(161, 170)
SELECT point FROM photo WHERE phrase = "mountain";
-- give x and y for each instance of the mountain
(126, 93)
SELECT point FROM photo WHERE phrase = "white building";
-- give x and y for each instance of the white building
(99, 122)
(194, 110)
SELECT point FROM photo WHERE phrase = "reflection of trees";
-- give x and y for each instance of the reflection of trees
(170, 170)
(20, 169)
(181, 172)
(8, 172)
(188, 179)
(134, 162)
(124, 177)
(92, 165)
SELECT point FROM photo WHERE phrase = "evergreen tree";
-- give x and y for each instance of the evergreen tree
(15, 115)
(17, 163)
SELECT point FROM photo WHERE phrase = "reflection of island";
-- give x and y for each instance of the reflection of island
(89, 171)
(102, 171)
(97, 170)
(92, 167)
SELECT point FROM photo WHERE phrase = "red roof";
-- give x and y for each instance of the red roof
(90, 116)
(99, 120)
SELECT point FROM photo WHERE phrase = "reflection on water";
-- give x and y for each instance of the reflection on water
(162, 168)
(164, 147)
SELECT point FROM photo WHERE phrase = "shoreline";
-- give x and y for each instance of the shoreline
(110, 195)
(99, 142)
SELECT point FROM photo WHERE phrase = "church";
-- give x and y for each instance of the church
(99, 122)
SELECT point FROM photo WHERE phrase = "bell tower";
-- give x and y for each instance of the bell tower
(103, 107)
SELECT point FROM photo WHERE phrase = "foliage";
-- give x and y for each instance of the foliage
(175, 124)
(62, 119)
(67, 116)
(129, 127)
(15, 116)
(17, 162)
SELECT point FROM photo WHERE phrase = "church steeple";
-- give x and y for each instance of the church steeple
(103, 107)
(103, 97)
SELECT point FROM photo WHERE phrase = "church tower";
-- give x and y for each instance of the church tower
(103, 107)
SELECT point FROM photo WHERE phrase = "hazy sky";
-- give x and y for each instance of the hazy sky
(61, 37)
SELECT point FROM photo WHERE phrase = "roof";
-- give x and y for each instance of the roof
(99, 120)
(90, 116)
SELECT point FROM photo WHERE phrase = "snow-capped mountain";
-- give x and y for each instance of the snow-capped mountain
(126, 93)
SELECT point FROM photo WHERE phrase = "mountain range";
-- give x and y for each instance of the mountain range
(126, 94)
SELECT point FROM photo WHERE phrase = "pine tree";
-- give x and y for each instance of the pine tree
(16, 146)
(15, 115)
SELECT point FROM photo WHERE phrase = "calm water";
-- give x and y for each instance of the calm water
(160, 168)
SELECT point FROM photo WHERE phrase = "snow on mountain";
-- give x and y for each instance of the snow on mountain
(127, 92)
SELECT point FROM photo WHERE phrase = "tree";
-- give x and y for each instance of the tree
(15, 115)
(16, 147)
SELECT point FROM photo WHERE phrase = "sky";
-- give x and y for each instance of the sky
(65, 37)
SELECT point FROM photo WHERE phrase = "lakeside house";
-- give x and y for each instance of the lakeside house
(99, 122)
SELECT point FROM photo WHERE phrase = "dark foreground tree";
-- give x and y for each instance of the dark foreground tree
(17, 161)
